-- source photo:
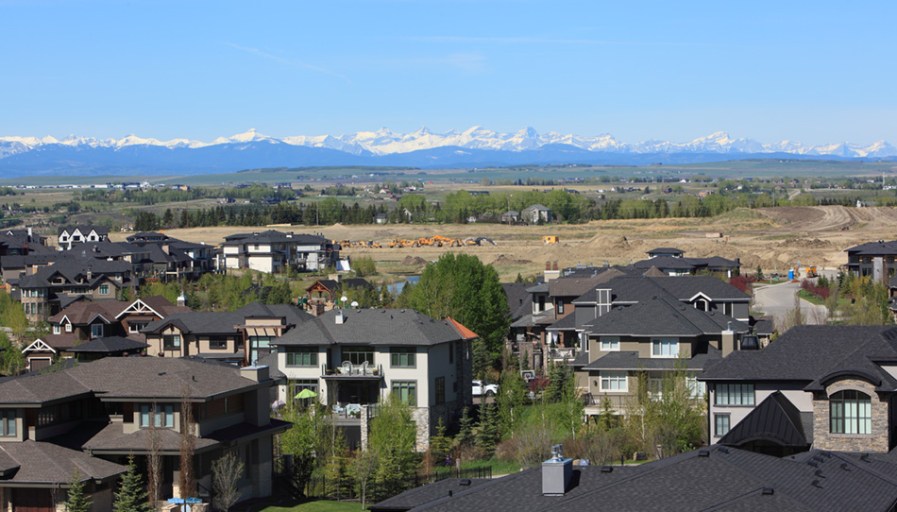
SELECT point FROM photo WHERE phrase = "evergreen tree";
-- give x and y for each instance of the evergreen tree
(131, 495)
(76, 500)
(487, 434)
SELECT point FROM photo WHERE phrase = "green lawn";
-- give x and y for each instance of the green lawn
(317, 506)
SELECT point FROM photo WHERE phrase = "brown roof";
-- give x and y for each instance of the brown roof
(135, 378)
(84, 311)
(51, 464)
(163, 306)
(113, 439)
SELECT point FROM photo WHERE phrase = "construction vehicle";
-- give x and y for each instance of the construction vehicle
(811, 271)
(446, 241)
(551, 239)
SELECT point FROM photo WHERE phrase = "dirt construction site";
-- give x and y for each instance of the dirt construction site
(772, 238)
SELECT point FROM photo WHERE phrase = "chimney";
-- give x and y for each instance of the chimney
(30, 235)
(316, 308)
(557, 473)
(550, 273)
(340, 317)
(727, 343)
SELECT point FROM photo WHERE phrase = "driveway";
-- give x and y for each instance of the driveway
(777, 301)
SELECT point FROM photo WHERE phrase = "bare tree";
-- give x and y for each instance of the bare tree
(153, 465)
(226, 474)
(187, 480)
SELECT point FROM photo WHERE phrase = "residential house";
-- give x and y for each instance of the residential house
(84, 320)
(876, 259)
(69, 235)
(240, 337)
(170, 259)
(510, 217)
(536, 214)
(671, 261)
(834, 389)
(50, 288)
(330, 291)
(352, 359)
(275, 251)
(93, 416)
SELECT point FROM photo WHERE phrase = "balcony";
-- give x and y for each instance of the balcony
(560, 354)
(349, 371)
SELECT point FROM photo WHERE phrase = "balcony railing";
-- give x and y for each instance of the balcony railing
(353, 370)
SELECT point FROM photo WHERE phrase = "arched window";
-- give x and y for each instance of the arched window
(850, 412)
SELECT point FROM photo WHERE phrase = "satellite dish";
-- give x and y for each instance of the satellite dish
(354, 304)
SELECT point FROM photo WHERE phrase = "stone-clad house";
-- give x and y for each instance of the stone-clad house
(825, 387)
(92, 416)
(354, 358)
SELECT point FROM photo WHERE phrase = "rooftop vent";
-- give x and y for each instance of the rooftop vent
(768, 491)
(557, 473)
(703, 453)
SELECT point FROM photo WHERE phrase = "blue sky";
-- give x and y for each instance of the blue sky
(810, 71)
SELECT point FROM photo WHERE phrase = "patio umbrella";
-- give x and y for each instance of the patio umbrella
(305, 393)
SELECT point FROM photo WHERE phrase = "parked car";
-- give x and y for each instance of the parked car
(480, 388)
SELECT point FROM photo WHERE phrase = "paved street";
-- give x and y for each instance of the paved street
(777, 300)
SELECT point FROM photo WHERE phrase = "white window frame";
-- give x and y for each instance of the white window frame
(659, 343)
(606, 378)
(57, 329)
(97, 331)
(609, 344)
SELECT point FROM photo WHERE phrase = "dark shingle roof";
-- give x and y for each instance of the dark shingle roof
(715, 478)
(519, 299)
(273, 236)
(128, 377)
(803, 353)
(372, 326)
(660, 316)
(47, 463)
(108, 345)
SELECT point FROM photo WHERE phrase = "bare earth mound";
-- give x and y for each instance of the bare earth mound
(773, 238)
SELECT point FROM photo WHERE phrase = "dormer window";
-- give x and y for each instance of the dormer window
(68, 327)
(96, 331)
(56, 329)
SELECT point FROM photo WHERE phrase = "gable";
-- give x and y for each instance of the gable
(138, 307)
(38, 345)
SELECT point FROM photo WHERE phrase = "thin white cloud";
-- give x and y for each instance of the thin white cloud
(292, 63)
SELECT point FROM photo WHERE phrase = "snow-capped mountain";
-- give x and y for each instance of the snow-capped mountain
(475, 146)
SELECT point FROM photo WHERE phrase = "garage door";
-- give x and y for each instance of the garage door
(32, 500)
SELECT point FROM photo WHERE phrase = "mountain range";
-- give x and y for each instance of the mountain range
(474, 147)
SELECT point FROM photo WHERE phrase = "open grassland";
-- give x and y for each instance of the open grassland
(772, 238)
